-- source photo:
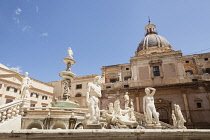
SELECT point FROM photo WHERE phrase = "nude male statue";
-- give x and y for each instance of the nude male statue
(149, 106)
(26, 84)
(93, 93)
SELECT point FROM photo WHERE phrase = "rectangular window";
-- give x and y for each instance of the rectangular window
(44, 107)
(156, 70)
(9, 100)
(186, 61)
(8, 88)
(113, 80)
(126, 78)
(44, 97)
(15, 90)
(127, 68)
(108, 86)
(199, 105)
(32, 105)
(206, 59)
(79, 86)
(126, 86)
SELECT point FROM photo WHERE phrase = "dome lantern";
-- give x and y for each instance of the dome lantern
(152, 42)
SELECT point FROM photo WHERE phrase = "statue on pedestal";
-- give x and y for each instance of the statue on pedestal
(149, 107)
(126, 97)
(70, 53)
(119, 118)
(26, 84)
(93, 93)
(179, 117)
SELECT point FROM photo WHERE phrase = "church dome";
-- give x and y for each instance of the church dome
(152, 42)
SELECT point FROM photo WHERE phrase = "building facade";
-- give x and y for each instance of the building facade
(78, 89)
(41, 94)
(182, 80)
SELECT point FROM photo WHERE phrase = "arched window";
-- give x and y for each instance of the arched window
(78, 95)
(163, 115)
(189, 71)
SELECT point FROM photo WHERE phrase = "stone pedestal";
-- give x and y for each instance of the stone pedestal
(93, 126)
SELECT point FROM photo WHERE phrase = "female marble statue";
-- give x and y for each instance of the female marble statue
(174, 119)
(26, 84)
(93, 93)
(70, 53)
(149, 106)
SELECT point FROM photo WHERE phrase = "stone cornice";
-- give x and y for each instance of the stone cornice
(146, 56)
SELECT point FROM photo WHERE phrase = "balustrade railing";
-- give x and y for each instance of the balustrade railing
(10, 110)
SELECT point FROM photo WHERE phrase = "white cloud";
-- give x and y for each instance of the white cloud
(16, 20)
(18, 11)
(26, 28)
(17, 69)
(37, 9)
(44, 34)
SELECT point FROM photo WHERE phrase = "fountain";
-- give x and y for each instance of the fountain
(68, 77)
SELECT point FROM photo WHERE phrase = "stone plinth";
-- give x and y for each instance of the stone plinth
(106, 134)
(93, 126)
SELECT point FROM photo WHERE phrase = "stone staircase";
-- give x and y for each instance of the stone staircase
(141, 117)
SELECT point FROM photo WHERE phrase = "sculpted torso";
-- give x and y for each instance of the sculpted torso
(95, 91)
(149, 101)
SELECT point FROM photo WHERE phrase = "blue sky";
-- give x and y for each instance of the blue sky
(35, 34)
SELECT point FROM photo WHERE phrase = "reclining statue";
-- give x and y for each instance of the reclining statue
(119, 116)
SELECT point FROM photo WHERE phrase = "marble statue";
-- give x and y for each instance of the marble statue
(70, 53)
(120, 117)
(111, 108)
(120, 76)
(149, 106)
(93, 93)
(179, 117)
(26, 84)
(126, 97)
(132, 115)
(174, 119)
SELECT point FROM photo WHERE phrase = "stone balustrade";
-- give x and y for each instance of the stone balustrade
(11, 110)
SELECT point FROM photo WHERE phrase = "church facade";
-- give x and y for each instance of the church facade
(182, 80)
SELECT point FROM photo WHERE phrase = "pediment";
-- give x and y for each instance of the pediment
(13, 77)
